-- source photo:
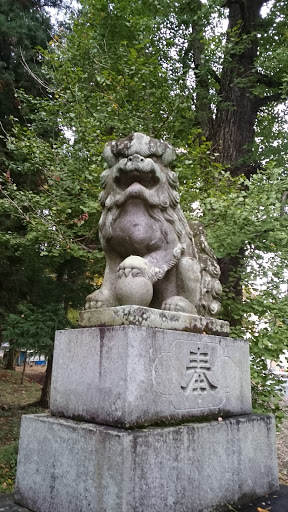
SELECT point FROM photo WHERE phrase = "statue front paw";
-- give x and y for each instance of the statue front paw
(179, 304)
(98, 300)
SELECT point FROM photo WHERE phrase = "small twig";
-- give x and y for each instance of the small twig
(24, 63)
(46, 221)
(165, 120)
(283, 203)
(86, 248)
(231, 508)
(2, 127)
(15, 205)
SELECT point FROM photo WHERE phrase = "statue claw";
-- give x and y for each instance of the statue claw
(98, 300)
(179, 304)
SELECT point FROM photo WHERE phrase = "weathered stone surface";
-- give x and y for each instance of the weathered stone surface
(153, 256)
(65, 466)
(132, 376)
(149, 317)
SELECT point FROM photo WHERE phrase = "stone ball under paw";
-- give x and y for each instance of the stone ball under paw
(137, 291)
(133, 286)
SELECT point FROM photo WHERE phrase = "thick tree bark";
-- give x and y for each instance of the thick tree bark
(236, 115)
(10, 362)
(231, 273)
(233, 135)
(195, 51)
(45, 395)
(232, 131)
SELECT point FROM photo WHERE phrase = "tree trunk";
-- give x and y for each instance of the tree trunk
(45, 395)
(231, 273)
(236, 115)
(24, 367)
(233, 133)
(10, 364)
(195, 52)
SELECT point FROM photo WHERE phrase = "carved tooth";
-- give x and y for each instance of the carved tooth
(136, 272)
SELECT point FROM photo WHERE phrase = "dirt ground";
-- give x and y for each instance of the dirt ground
(34, 373)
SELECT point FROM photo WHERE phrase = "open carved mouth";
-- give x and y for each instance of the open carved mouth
(125, 179)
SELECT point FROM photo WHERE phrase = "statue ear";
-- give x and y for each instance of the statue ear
(108, 155)
(168, 156)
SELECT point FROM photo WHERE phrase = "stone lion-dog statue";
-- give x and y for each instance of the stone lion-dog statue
(153, 256)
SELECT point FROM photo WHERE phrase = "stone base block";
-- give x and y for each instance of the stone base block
(131, 376)
(65, 466)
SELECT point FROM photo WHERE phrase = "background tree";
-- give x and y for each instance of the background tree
(199, 75)
(243, 83)
(27, 280)
(237, 92)
(23, 27)
(34, 327)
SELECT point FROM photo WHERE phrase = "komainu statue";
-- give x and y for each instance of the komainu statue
(153, 256)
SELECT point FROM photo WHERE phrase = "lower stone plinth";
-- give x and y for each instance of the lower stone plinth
(68, 466)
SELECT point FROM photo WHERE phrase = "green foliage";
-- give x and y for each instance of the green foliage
(118, 69)
(23, 28)
(33, 328)
(238, 213)
(251, 216)
(265, 324)
(37, 285)
(15, 401)
(8, 463)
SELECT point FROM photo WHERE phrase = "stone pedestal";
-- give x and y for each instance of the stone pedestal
(146, 419)
(132, 376)
(68, 466)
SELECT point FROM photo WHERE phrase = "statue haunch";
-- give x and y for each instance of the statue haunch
(153, 257)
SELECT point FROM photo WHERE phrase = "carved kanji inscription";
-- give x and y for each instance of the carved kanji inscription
(191, 374)
(198, 370)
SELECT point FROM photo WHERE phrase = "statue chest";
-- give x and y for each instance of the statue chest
(136, 232)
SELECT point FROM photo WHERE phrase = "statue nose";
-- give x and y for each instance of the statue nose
(136, 158)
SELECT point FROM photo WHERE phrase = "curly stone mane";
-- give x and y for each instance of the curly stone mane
(162, 206)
